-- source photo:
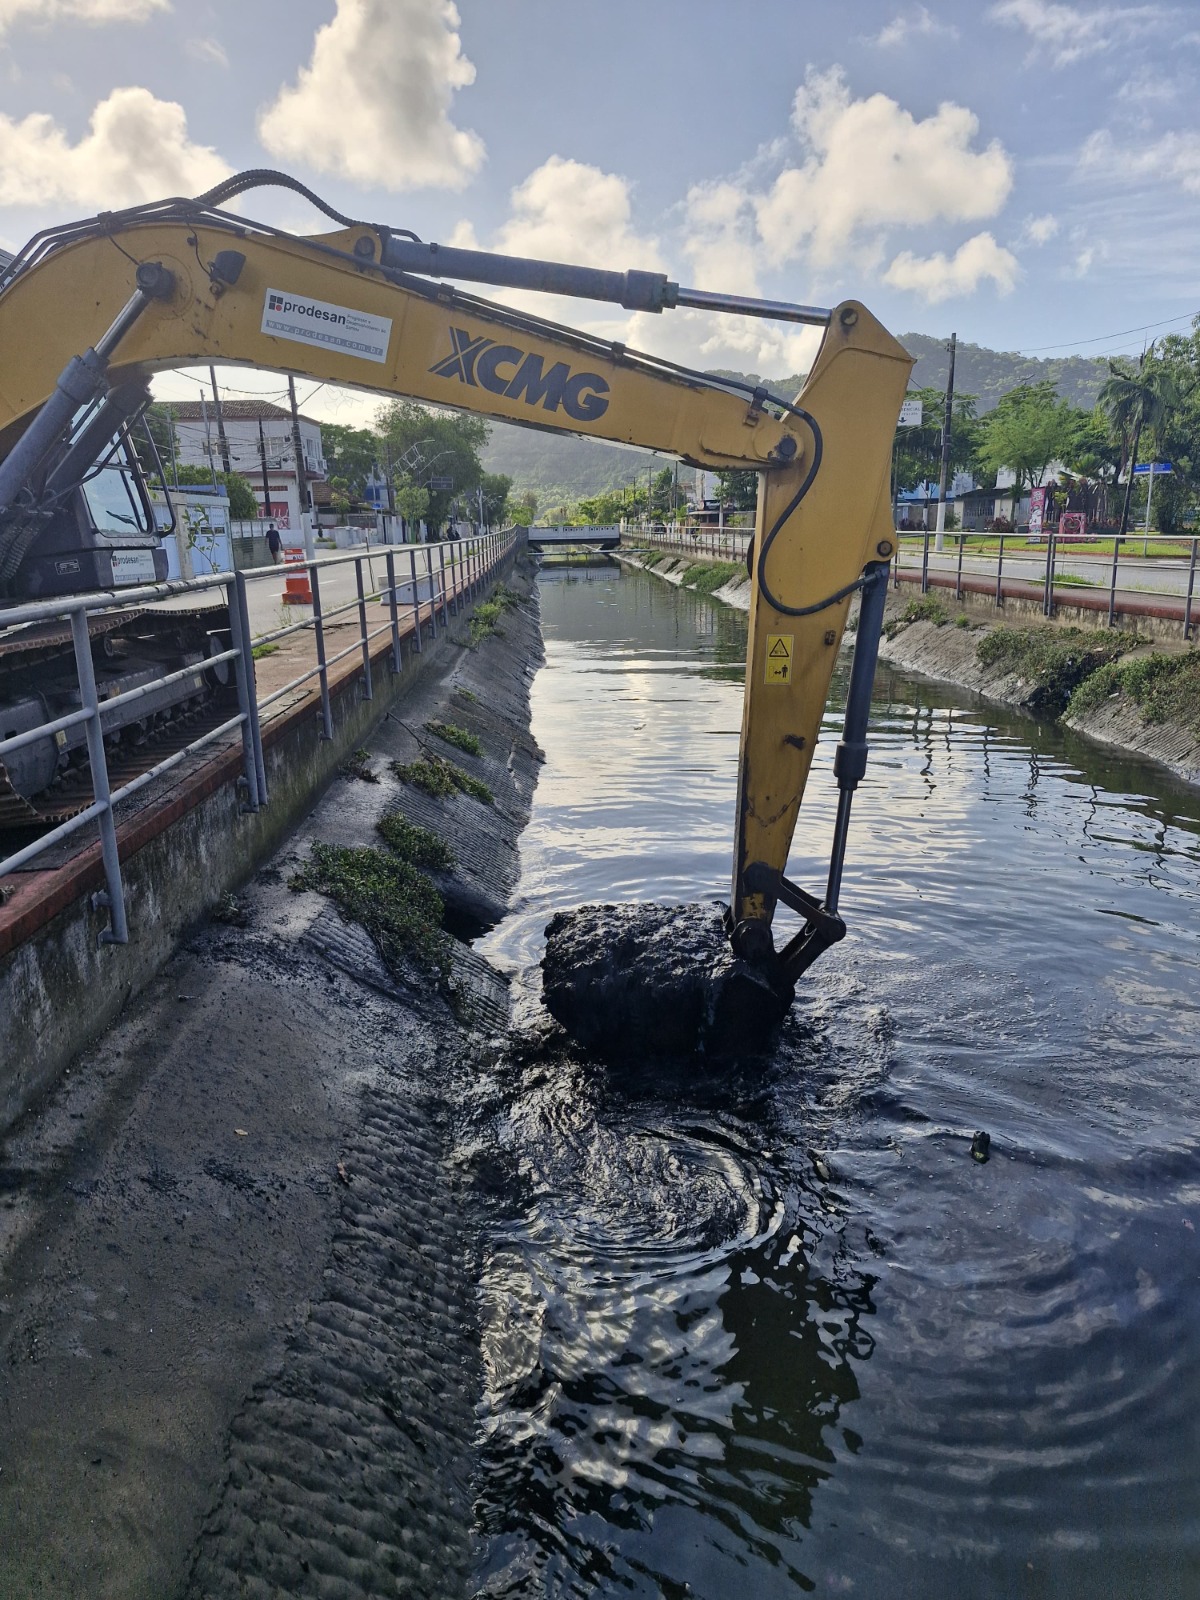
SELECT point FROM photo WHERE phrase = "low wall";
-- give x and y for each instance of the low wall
(60, 988)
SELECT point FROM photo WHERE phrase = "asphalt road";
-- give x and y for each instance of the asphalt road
(1158, 576)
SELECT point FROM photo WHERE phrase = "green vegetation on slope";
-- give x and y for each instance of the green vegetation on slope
(1056, 661)
(1164, 688)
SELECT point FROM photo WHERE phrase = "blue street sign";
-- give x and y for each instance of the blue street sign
(1155, 467)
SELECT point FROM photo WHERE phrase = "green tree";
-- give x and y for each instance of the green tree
(1139, 401)
(1030, 428)
(424, 444)
(242, 503)
(738, 489)
(919, 450)
(601, 509)
(524, 508)
(496, 487)
(351, 455)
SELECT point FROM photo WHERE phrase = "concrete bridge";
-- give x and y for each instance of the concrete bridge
(606, 537)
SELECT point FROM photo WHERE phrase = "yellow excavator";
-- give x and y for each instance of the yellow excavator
(89, 311)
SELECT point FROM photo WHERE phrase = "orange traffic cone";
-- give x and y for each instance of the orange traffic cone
(297, 590)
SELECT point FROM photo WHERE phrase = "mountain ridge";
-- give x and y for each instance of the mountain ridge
(559, 468)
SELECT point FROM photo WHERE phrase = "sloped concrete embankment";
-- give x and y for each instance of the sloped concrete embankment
(682, 571)
(948, 649)
(1042, 678)
(236, 1256)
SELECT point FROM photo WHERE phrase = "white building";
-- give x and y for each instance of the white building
(254, 429)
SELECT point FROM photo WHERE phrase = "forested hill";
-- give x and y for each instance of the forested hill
(560, 469)
(987, 374)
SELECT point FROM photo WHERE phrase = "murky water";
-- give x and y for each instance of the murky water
(778, 1331)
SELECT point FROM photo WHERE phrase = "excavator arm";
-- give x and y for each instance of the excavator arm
(184, 283)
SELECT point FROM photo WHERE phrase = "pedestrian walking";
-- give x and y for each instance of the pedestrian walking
(274, 543)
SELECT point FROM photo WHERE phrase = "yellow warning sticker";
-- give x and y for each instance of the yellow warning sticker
(779, 658)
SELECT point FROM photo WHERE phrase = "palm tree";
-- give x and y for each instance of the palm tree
(1137, 401)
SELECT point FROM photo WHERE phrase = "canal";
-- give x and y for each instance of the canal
(774, 1329)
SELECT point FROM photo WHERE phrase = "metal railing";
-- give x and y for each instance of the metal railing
(690, 539)
(1114, 578)
(425, 586)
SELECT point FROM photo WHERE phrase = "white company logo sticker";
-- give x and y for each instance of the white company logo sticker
(329, 327)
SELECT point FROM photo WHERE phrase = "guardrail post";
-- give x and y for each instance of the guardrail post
(397, 658)
(1191, 589)
(118, 930)
(364, 630)
(442, 581)
(958, 580)
(416, 604)
(260, 765)
(1000, 573)
(314, 584)
(1048, 585)
(433, 627)
(1112, 585)
(243, 674)
(925, 564)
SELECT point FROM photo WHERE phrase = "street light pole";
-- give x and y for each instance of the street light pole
(939, 542)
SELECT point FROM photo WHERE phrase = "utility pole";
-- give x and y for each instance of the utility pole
(940, 543)
(208, 450)
(301, 481)
(262, 456)
(222, 441)
(174, 459)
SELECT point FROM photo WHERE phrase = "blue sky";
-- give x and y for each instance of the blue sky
(1025, 172)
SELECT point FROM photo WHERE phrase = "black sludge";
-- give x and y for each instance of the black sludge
(630, 981)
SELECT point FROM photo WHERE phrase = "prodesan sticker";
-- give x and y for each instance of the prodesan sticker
(779, 657)
(328, 326)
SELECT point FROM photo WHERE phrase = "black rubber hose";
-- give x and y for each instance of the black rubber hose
(269, 178)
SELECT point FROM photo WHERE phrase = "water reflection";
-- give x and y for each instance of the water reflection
(778, 1331)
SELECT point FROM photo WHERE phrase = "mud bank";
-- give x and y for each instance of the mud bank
(237, 1261)
(946, 646)
(1047, 678)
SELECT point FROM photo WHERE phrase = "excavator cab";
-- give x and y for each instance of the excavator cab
(92, 526)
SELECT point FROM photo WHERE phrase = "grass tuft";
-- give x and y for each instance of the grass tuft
(460, 738)
(358, 765)
(413, 843)
(1055, 661)
(927, 609)
(437, 777)
(709, 576)
(393, 901)
(1164, 688)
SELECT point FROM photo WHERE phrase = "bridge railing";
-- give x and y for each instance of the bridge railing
(689, 539)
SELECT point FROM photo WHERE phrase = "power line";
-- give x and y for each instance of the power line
(1120, 334)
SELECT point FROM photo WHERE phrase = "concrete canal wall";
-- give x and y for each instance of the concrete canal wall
(59, 987)
(1147, 702)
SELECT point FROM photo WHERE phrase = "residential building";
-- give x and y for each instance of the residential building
(252, 427)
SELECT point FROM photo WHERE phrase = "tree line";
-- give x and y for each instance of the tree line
(431, 459)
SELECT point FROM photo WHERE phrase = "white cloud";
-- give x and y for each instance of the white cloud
(1175, 157)
(136, 148)
(210, 52)
(940, 277)
(1039, 230)
(568, 211)
(1082, 264)
(373, 105)
(871, 166)
(719, 241)
(94, 11)
(920, 23)
(1068, 33)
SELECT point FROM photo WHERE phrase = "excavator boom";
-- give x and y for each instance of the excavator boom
(89, 312)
